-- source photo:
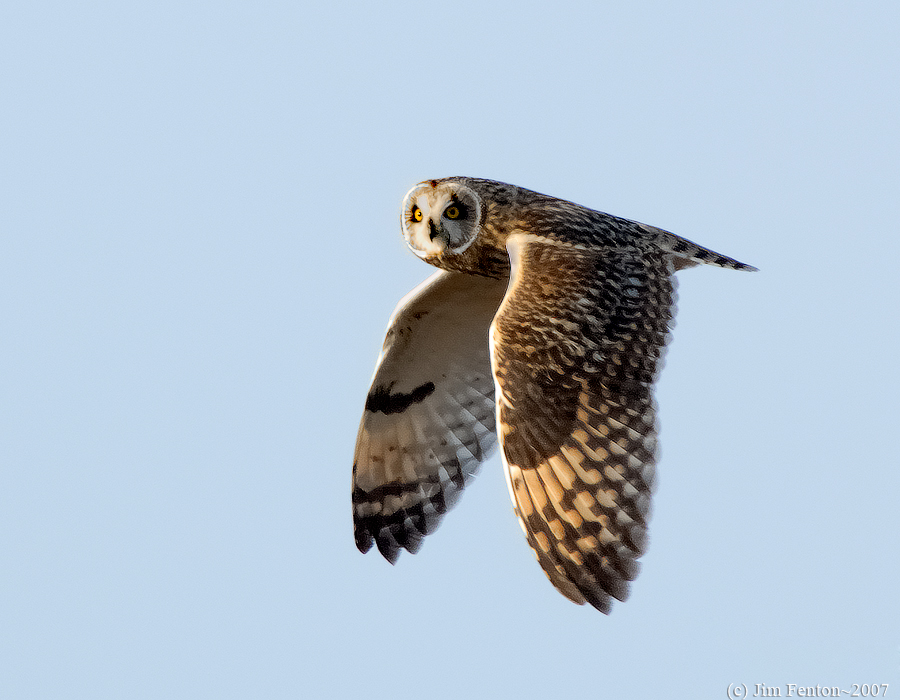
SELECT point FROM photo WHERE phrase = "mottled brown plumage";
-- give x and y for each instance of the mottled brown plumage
(579, 305)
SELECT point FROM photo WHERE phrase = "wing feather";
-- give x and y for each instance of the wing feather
(429, 419)
(576, 347)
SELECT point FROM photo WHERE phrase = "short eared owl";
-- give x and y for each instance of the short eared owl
(546, 323)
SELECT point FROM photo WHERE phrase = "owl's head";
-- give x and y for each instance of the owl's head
(441, 218)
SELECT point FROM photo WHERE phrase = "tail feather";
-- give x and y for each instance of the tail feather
(688, 254)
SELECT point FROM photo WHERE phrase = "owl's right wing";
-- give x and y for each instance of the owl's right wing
(429, 417)
(577, 344)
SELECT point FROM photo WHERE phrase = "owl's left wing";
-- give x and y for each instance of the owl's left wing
(429, 416)
(576, 346)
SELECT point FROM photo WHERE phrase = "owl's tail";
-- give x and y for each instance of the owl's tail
(688, 254)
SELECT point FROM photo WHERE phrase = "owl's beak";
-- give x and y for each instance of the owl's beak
(435, 234)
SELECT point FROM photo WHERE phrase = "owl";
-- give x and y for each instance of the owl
(544, 328)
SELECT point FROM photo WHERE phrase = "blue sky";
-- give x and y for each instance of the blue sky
(199, 252)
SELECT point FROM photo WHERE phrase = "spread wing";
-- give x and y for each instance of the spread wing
(576, 347)
(429, 416)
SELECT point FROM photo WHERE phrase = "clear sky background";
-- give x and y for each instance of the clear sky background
(199, 252)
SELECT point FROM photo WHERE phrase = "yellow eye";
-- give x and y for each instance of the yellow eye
(417, 214)
(452, 212)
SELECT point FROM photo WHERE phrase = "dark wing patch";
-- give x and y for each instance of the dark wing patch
(577, 345)
(381, 400)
